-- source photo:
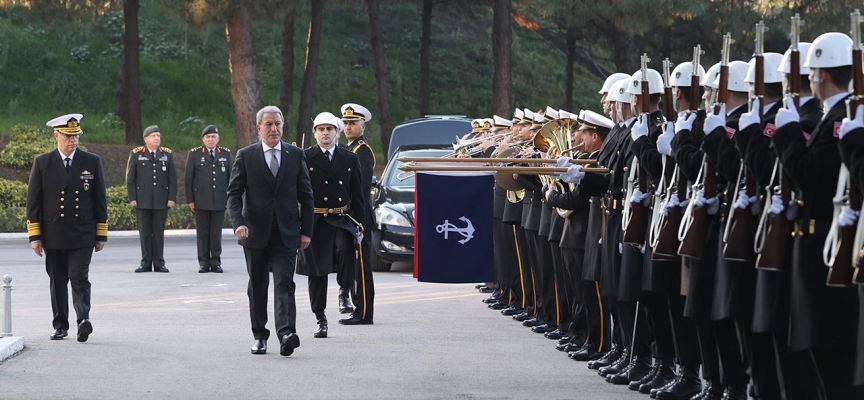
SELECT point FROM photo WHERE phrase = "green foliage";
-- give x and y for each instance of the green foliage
(12, 193)
(13, 219)
(26, 143)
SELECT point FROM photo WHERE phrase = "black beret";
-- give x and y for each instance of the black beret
(209, 129)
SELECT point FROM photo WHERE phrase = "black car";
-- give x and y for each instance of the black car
(393, 203)
(430, 129)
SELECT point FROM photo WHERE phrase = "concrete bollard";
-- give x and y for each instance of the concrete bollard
(7, 307)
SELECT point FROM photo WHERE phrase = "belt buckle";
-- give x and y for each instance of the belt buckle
(329, 211)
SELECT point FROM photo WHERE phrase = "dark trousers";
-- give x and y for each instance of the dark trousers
(730, 353)
(529, 290)
(762, 361)
(796, 371)
(563, 288)
(151, 230)
(506, 265)
(65, 267)
(597, 317)
(343, 255)
(259, 262)
(708, 350)
(836, 365)
(364, 287)
(513, 274)
(684, 333)
(547, 284)
(571, 275)
(656, 309)
(635, 328)
(208, 226)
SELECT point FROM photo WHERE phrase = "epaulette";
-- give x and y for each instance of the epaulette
(196, 148)
(137, 149)
(166, 150)
(225, 149)
(361, 143)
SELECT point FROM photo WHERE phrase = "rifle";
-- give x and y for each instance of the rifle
(694, 226)
(636, 220)
(660, 236)
(842, 270)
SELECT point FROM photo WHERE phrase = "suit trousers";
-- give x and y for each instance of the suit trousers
(280, 259)
(571, 275)
(731, 354)
(343, 247)
(208, 226)
(597, 317)
(635, 328)
(525, 265)
(796, 371)
(151, 229)
(513, 281)
(65, 267)
(656, 308)
(363, 295)
(684, 333)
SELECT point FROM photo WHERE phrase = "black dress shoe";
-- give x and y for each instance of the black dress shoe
(259, 347)
(85, 328)
(491, 299)
(536, 321)
(345, 306)
(203, 269)
(215, 268)
(142, 268)
(544, 329)
(59, 334)
(288, 343)
(478, 286)
(511, 311)
(566, 339)
(586, 354)
(160, 268)
(572, 347)
(321, 332)
(555, 335)
(486, 289)
(354, 320)
(498, 306)
(524, 316)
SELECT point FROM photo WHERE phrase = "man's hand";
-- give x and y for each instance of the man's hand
(664, 142)
(99, 246)
(685, 123)
(850, 125)
(787, 115)
(242, 232)
(640, 128)
(134, 203)
(36, 245)
(171, 203)
(574, 174)
(192, 206)
(549, 192)
(305, 241)
(750, 117)
(714, 121)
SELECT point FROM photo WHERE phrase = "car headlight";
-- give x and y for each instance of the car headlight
(386, 216)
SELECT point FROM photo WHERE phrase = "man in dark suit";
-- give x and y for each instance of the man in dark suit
(355, 117)
(208, 168)
(270, 206)
(151, 183)
(67, 218)
(339, 215)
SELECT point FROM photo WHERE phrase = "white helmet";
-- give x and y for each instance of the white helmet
(618, 92)
(830, 50)
(611, 79)
(710, 76)
(737, 77)
(784, 63)
(326, 118)
(772, 69)
(681, 74)
(655, 82)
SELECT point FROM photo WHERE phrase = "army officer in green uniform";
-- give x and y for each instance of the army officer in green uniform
(208, 169)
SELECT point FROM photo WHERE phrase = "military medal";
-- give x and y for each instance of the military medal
(223, 168)
(86, 185)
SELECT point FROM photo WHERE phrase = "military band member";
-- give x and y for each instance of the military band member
(208, 169)
(514, 281)
(355, 117)
(339, 215)
(67, 219)
(151, 184)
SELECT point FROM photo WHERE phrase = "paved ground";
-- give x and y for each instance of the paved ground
(185, 335)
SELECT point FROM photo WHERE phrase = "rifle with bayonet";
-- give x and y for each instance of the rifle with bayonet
(636, 221)
(663, 236)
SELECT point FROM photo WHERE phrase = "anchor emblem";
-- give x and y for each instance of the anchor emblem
(467, 232)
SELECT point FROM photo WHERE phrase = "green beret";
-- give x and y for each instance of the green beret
(210, 129)
(150, 129)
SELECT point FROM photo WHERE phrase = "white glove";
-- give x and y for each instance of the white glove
(750, 117)
(685, 123)
(685, 203)
(745, 201)
(643, 247)
(640, 128)
(671, 203)
(359, 236)
(848, 216)
(639, 197)
(620, 248)
(574, 174)
(563, 161)
(851, 124)
(664, 142)
(792, 210)
(776, 205)
(788, 114)
(700, 201)
(714, 121)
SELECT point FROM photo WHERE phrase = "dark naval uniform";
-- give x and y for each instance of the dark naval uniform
(207, 175)
(363, 294)
(151, 180)
(67, 211)
(339, 212)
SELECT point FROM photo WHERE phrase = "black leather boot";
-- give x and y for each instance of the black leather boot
(620, 363)
(634, 385)
(735, 392)
(345, 306)
(684, 388)
(607, 359)
(637, 369)
(664, 374)
(321, 332)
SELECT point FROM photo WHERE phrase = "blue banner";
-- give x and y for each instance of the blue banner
(453, 228)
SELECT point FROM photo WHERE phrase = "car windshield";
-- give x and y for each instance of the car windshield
(394, 173)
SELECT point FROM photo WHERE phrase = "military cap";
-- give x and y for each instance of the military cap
(518, 116)
(355, 112)
(476, 125)
(487, 124)
(529, 117)
(591, 120)
(501, 123)
(210, 129)
(68, 124)
(551, 114)
(150, 129)
(539, 121)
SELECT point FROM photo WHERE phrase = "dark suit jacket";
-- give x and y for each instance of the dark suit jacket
(67, 210)
(256, 198)
(207, 181)
(367, 170)
(150, 183)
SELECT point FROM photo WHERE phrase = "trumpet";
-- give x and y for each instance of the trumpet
(470, 147)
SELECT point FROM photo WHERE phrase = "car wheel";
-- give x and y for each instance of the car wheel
(379, 265)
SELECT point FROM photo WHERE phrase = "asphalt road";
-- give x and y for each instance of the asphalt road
(186, 335)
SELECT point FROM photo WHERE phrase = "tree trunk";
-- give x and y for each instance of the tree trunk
(502, 42)
(623, 52)
(568, 73)
(286, 95)
(131, 93)
(313, 50)
(244, 77)
(380, 63)
(423, 91)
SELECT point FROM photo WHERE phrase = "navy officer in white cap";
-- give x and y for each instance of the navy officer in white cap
(67, 218)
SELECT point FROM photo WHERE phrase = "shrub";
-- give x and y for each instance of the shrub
(12, 193)
(27, 142)
(13, 219)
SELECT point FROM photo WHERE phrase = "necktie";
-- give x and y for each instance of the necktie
(327, 154)
(153, 156)
(68, 163)
(274, 163)
(212, 156)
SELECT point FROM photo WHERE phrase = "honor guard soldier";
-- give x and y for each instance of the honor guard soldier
(67, 218)
(208, 169)
(355, 117)
(151, 184)
(339, 215)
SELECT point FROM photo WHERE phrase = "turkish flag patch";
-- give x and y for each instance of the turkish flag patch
(730, 132)
(769, 131)
(806, 136)
(837, 129)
